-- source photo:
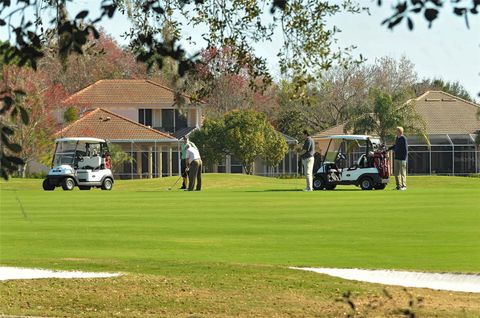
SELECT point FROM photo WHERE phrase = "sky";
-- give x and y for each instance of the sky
(449, 50)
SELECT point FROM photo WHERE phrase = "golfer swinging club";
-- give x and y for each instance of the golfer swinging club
(194, 167)
(183, 157)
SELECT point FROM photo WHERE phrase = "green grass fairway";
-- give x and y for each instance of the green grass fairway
(250, 227)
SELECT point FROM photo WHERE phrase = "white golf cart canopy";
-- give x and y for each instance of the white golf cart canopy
(85, 139)
(346, 137)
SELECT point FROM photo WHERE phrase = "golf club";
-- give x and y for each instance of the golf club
(170, 188)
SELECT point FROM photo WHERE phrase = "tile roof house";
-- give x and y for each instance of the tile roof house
(141, 116)
(451, 125)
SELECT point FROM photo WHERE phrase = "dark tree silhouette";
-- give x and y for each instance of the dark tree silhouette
(430, 10)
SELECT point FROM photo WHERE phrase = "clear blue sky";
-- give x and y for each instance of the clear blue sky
(448, 50)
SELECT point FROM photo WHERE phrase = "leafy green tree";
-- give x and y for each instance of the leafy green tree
(210, 141)
(70, 114)
(245, 136)
(291, 121)
(454, 88)
(275, 147)
(118, 157)
(383, 112)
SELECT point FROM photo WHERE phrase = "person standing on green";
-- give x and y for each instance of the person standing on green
(183, 159)
(401, 157)
(307, 153)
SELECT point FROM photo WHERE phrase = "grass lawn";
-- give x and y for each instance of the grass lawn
(225, 251)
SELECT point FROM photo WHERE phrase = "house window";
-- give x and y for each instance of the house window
(168, 120)
(172, 120)
(145, 116)
(235, 165)
(180, 120)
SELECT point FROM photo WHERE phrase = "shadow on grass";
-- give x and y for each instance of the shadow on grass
(300, 190)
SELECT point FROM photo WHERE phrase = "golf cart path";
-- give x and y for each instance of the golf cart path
(8, 273)
(440, 281)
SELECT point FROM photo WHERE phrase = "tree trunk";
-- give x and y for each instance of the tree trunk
(24, 170)
(248, 168)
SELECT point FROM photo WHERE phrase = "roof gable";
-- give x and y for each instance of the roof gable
(114, 92)
(100, 123)
(447, 114)
(334, 130)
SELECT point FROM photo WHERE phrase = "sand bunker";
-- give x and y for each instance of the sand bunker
(7, 273)
(441, 281)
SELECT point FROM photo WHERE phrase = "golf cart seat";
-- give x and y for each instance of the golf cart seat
(90, 162)
(362, 161)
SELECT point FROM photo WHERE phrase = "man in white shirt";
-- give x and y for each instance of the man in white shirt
(184, 161)
(194, 167)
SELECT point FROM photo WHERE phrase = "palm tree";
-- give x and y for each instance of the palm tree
(383, 112)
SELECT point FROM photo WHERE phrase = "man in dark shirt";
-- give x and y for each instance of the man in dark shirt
(308, 150)
(400, 160)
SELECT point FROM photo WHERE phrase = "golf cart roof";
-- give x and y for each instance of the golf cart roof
(86, 139)
(346, 137)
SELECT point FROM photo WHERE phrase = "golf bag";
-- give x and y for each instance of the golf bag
(380, 162)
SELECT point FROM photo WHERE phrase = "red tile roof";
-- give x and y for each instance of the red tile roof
(100, 123)
(110, 92)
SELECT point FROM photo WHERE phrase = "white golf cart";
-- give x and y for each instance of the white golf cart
(352, 160)
(82, 162)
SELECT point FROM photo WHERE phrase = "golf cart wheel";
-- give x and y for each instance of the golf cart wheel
(47, 186)
(68, 184)
(366, 183)
(380, 186)
(318, 183)
(331, 187)
(107, 184)
(84, 187)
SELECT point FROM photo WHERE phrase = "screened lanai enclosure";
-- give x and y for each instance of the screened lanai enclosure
(161, 158)
(448, 154)
(149, 159)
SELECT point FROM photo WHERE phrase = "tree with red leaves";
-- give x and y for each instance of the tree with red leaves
(40, 99)
(227, 85)
(103, 58)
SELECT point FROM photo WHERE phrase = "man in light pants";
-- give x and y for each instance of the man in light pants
(184, 162)
(400, 163)
(308, 150)
(194, 167)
